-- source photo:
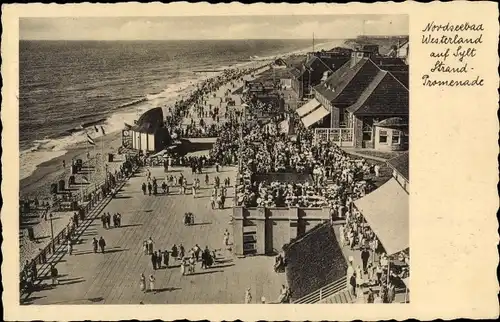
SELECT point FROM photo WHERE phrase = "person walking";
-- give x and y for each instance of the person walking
(166, 257)
(226, 238)
(108, 220)
(197, 251)
(212, 202)
(182, 251)
(150, 246)
(159, 259)
(144, 188)
(365, 256)
(102, 244)
(152, 283)
(95, 244)
(183, 267)
(248, 296)
(103, 220)
(70, 247)
(142, 283)
(145, 247)
(150, 188)
(192, 264)
(54, 274)
(153, 260)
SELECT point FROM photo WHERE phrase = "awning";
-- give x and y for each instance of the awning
(308, 107)
(315, 116)
(386, 211)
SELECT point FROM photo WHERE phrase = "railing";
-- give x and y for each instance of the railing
(97, 196)
(324, 292)
(340, 136)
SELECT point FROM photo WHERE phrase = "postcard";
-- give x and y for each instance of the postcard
(200, 161)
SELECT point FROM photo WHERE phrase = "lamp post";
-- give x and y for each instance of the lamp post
(52, 233)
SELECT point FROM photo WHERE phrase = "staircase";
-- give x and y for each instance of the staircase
(343, 296)
(335, 292)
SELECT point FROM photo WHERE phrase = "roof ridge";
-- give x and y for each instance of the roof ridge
(368, 91)
(389, 73)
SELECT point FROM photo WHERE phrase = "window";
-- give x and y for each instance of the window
(382, 137)
(395, 137)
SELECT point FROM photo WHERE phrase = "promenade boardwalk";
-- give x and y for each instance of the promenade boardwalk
(113, 277)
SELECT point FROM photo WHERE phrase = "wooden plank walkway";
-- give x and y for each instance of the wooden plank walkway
(113, 277)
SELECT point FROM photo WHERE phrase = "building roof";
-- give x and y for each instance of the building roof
(401, 164)
(150, 121)
(367, 89)
(385, 95)
(323, 64)
(344, 85)
(313, 261)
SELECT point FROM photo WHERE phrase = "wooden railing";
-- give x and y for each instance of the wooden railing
(324, 292)
(61, 237)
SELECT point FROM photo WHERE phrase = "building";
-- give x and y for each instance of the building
(391, 134)
(357, 96)
(149, 133)
(311, 72)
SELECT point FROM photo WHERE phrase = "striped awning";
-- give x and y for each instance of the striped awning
(315, 116)
(308, 107)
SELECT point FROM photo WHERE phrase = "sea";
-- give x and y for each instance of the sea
(69, 88)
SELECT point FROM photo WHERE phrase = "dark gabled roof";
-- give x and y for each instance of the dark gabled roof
(347, 83)
(368, 91)
(313, 261)
(401, 164)
(150, 121)
(402, 76)
(385, 95)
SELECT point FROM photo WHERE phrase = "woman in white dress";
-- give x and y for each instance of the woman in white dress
(152, 283)
(183, 268)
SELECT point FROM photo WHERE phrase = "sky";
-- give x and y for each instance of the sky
(211, 27)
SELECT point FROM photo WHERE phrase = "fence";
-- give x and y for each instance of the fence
(324, 292)
(98, 195)
(340, 136)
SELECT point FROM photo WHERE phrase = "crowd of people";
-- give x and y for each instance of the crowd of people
(336, 178)
(187, 259)
(375, 271)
